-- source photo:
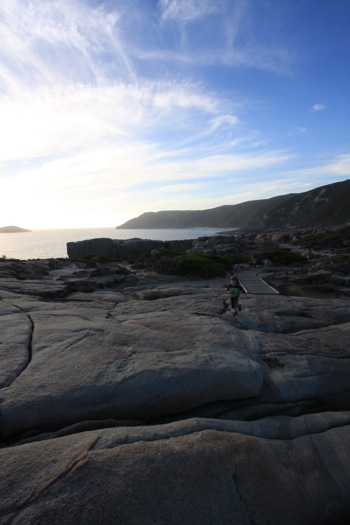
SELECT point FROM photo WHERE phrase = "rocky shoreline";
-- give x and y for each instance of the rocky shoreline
(132, 396)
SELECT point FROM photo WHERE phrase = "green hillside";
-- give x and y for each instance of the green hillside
(323, 206)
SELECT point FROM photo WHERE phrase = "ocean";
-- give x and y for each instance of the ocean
(47, 244)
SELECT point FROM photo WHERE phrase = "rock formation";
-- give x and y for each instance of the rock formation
(126, 250)
(134, 397)
(13, 229)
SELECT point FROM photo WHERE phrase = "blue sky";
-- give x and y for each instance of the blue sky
(113, 108)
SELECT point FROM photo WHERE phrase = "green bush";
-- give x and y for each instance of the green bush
(237, 259)
(95, 258)
(202, 265)
(333, 239)
(280, 257)
(169, 253)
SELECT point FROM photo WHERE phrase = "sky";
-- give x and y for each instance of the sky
(113, 108)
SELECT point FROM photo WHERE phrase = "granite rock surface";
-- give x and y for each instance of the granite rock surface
(147, 402)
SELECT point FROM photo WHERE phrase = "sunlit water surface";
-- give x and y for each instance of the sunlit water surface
(46, 244)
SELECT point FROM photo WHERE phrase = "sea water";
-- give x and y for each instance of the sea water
(47, 244)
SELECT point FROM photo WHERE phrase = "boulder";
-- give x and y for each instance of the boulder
(101, 246)
(126, 250)
(131, 249)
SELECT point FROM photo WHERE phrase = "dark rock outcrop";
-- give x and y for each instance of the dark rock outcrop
(101, 246)
(120, 249)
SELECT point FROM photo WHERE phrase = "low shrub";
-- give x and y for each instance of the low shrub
(236, 259)
(280, 257)
(94, 258)
(202, 265)
(342, 262)
(325, 240)
(169, 253)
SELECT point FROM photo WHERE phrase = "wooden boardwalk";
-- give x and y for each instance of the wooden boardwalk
(253, 284)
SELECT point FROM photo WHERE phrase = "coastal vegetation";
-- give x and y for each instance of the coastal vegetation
(322, 240)
(282, 257)
(95, 258)
(203, 265)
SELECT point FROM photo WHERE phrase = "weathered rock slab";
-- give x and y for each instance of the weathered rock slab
(149, 403)
(132, 363)
(186, 472)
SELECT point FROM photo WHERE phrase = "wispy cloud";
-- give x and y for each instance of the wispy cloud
(222, 120)
(190, 10)
(318, 107)
(48, 121)
(300, 129)
(338, 168)
(60, 41)
(234, 39)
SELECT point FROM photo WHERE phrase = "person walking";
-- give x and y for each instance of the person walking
(234, 289)
(253, 261)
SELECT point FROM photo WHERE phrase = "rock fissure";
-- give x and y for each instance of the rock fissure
(138, 432)
(244, 503)
(74, 464)
(30, 500)
(29, 348)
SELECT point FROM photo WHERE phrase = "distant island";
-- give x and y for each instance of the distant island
(323, 206)
(13, 229)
